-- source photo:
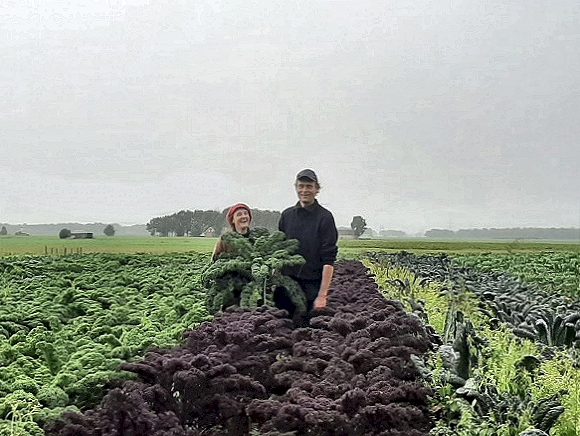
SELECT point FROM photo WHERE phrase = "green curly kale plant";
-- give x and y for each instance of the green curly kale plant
(249, 274)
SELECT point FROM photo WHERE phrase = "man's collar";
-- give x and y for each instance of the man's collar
(309, 208)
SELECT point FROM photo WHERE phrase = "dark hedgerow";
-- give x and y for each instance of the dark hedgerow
(250, 372)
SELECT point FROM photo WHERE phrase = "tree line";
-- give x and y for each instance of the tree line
(196, 222)
(565, 234)
(54, 229)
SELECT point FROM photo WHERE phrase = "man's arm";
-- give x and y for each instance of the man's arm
(328, 254)
(327, 272)
(328, 240)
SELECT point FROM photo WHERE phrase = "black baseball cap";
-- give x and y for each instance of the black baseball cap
(307, 174)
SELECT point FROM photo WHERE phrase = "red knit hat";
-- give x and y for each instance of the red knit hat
(230, 215)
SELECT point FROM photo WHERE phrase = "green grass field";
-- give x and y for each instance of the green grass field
(51, 245)
(420, 245)
(39, 245)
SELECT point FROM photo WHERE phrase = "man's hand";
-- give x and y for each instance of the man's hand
(319, 303)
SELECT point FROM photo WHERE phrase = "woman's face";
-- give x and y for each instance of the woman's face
(241, 220)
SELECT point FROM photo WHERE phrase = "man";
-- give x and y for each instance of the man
(314, 227)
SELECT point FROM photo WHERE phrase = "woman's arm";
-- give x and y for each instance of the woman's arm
(217, 250)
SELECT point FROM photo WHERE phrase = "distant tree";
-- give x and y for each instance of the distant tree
(440, 233)
(177, 224)
(154, 226)
(109, 230)
(358, 226)
(160, 226)
(3, 232)
(393, 233)
(265, 218)
(181, 222)
(64, 233)
(194, 223)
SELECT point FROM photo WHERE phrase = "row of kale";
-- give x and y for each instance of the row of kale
(531, 312)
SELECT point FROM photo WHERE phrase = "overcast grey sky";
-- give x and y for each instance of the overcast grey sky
(415, 114)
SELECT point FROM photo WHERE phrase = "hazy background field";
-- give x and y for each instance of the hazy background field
(52, 245)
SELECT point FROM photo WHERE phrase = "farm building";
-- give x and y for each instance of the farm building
(345, 233)
(78, 234)
(209, 233)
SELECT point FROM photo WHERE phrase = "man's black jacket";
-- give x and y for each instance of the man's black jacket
(314, 227)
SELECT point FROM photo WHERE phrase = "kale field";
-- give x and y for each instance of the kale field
(410, 344)
(67, 322)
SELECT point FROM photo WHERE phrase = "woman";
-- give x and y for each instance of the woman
(239, 218)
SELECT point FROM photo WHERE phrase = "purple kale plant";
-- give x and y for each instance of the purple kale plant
(349, 373)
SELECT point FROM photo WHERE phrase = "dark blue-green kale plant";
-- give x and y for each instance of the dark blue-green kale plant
(249, 275)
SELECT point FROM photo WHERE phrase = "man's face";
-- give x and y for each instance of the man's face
(307, 191)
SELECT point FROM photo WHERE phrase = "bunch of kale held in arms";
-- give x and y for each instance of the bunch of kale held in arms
(248, 273)
(249, 372)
